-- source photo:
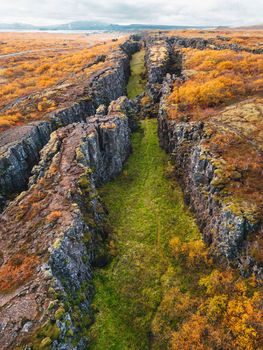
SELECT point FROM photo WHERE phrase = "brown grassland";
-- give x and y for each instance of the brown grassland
(30, 63)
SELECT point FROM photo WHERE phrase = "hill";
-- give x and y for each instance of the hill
(254, 27)
(89, 25)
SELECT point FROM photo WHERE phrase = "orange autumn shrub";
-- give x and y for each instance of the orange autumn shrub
(217, 78)
(193, 253)
(243, 318)
(196, 334)
(54, 216)
(16, 271)
(228, 316)
(206, 307)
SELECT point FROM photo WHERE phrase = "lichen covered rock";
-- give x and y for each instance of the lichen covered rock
(161, 58)
(218, 161)
(52, 234)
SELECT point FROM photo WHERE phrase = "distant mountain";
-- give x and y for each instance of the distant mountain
(223, 27)
(132, 27)
(254, 27)
(79, 25)
(16, 26)
(87, 25)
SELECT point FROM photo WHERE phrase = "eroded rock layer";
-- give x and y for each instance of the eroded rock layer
(52, 233)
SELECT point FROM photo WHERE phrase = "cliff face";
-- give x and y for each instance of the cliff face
(18, 154)
(214, 186)
(54, 232)
(46, 269)
(20, 146)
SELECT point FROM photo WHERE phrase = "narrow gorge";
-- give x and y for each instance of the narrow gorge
(122, 223)
(146, 210)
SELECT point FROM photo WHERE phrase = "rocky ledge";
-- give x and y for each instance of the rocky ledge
(20, 146)
(219, 163)
(52, 234)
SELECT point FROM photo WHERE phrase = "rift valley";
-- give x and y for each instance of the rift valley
(131, 191)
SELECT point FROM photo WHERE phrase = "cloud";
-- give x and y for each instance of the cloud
(181, 12)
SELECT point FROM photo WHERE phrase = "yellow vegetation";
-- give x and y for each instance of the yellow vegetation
(218, 310)
(53, 59)
(220, 77)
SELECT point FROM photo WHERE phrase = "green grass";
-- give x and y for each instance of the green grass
(146, 209)
(136, 83)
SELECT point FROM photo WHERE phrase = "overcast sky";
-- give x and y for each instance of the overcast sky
(181, 12)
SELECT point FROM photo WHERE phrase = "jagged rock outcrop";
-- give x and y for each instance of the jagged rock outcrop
(124, 106)
(52, 233)
(20, 146)
(160, 59)
(132, 45)
(215, 186)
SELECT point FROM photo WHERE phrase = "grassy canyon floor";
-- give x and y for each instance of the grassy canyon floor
(146, 210)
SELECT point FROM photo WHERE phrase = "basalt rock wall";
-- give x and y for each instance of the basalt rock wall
(52, 234)
(224, 230)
